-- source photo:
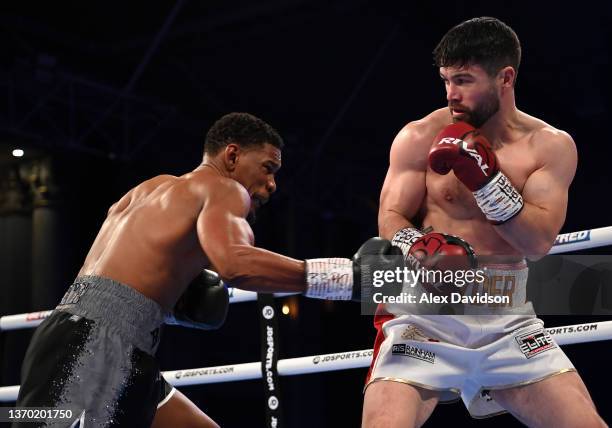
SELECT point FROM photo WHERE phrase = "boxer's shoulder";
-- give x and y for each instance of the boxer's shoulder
(427, 127)
(215, 190)
(542, 133)
(548, 137)
(546, 141)
(139, 192)
(415, 139)
(152, 186)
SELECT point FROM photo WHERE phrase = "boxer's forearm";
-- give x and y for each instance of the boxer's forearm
(390, 221)
(256, 269)
(532, 232)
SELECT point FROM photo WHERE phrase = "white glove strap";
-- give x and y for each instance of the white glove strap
(499, 200)
(330, 279)
(404, 238)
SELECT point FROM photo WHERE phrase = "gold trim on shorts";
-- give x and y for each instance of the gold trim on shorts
(417, 384)
(514, 385)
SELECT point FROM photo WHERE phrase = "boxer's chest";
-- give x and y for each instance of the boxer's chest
(517, 161)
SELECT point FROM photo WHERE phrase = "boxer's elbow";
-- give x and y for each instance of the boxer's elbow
(537, 250)
(243, 278)
(534, 257)
(236, 270)
(233, 273)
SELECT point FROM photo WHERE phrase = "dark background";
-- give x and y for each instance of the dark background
(103, 95)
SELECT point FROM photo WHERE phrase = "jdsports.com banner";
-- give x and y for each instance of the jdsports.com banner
(269, 359)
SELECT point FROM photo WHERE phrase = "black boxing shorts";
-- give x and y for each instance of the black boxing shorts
(94, 356)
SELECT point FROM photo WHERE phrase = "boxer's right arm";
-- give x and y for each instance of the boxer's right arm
(227, 240)
(404, 187)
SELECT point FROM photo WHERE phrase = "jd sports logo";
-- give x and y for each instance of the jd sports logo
(273, 402)
(268, 312)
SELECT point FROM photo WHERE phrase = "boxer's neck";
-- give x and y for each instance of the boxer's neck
(500, 128)
(212, 164)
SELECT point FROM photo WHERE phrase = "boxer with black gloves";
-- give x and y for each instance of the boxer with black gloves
(155, 240)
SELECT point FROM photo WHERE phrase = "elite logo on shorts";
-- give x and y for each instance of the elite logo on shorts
(535, 342)
(413, 352)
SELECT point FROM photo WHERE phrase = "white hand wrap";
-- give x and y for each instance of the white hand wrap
(330, 279)
(499, 200)
(404, 238)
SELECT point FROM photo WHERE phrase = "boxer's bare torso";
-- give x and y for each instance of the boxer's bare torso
(149, 239)
(162, 233)
(445, 203)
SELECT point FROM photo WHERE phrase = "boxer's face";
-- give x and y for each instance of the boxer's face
(255, 170)
(471, 93)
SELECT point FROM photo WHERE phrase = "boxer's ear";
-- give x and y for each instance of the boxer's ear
(231, 155)
(507, 75)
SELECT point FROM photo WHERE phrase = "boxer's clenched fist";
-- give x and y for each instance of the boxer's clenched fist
(460, 148)
(435, 251)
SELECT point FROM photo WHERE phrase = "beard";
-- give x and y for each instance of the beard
(482, 112)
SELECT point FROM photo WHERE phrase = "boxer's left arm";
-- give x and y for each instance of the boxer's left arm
(545, 193)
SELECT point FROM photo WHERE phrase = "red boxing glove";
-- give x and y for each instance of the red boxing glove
(472, 161)
(435, 251)
(439, 251)
(461, 148)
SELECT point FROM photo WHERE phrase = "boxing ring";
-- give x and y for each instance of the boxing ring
(563, 335)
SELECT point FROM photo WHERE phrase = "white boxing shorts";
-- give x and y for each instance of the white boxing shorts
(468, 355)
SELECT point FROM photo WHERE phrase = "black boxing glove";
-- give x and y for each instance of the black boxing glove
(376, 254)
(203, 305)
(340, 279)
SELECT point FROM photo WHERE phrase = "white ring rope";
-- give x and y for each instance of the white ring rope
(33, 319)
(565, 335)
(582, 240)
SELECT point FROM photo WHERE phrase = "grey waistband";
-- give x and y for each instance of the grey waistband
(112, 303)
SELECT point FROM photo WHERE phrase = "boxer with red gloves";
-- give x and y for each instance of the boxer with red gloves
(461, 148)
(507, 197)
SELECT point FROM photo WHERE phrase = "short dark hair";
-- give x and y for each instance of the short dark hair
(484, 41)
(243, 129)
